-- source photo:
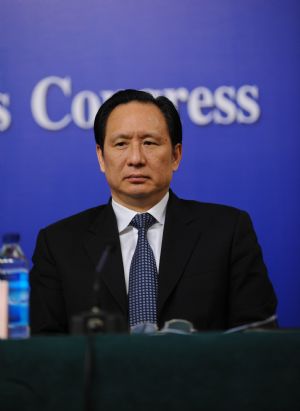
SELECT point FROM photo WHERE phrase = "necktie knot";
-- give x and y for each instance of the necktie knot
(143, 221)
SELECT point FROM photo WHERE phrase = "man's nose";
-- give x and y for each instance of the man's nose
(136, 154)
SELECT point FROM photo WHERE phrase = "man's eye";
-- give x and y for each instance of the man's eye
(120, 144)
(149, 142)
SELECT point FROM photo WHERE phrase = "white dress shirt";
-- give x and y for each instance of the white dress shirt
(129, 235)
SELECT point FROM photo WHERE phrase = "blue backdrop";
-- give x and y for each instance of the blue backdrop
(231, 67)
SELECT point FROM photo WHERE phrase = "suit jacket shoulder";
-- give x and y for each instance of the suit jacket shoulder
(77, 221)
(208, 216)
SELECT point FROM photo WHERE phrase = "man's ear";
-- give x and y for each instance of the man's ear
(177, 154)
(100, 157)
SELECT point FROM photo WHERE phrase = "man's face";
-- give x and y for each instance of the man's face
(138, 158)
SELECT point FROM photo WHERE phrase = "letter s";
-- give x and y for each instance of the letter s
(249, 111)
(5, 117)
(39, 102)
(224, 97)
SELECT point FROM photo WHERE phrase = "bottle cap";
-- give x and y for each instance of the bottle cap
(10, 238)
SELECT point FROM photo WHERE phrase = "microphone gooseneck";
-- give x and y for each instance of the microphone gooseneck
(99, 270)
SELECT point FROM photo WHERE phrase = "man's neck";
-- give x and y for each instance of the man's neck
(139, 205)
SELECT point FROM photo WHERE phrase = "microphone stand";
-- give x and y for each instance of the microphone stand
(92, 322)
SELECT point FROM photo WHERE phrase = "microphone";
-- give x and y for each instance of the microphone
(110, 247)
(96, 320)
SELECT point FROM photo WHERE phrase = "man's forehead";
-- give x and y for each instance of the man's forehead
(138, 116)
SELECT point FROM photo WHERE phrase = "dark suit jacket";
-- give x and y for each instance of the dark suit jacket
(211, 268)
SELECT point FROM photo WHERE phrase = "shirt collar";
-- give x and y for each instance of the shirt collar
(124, 215)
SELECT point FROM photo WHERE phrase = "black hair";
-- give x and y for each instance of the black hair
(166, 107)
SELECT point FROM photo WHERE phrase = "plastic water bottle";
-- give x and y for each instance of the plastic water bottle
(14, 269)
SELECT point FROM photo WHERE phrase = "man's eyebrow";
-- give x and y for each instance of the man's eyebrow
(154, 134)
(124, 136)
(141, 135)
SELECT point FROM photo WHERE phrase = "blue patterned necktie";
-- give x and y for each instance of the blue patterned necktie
(142, 292)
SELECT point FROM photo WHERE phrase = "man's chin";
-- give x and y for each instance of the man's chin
(141, 192)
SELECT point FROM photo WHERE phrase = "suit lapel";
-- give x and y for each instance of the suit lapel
(181, 234)
(102, 232)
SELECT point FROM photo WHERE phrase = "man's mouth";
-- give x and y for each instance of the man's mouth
(136, 178)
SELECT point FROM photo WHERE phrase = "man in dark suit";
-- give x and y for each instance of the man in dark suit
(207, 266)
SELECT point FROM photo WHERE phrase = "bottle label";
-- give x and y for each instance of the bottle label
(18, 302)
